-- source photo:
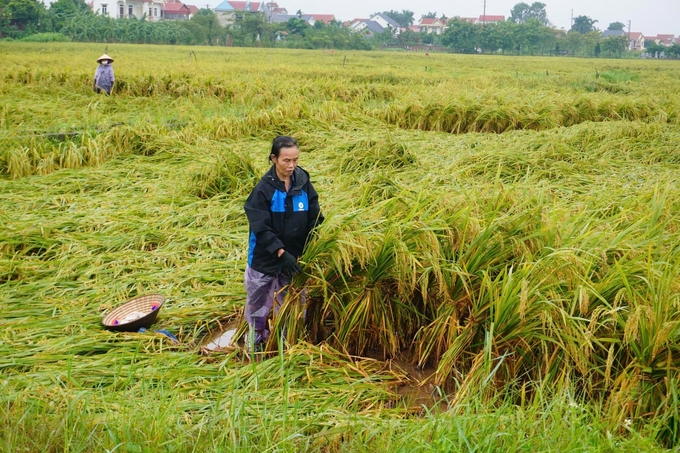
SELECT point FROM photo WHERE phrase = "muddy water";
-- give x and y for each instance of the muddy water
(223, 339)
(418, 392)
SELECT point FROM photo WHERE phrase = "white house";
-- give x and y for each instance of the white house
(387, 22)
(366, 27)
(356, 24)
(119, 9)
(636, 40)
(272, 9)
(431, 25)
(226, 11)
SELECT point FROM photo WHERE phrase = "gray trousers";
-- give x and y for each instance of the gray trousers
(261, 291)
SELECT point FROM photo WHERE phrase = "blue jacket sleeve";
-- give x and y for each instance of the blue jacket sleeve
(259, 217)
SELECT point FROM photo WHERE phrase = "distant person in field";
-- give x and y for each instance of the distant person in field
(103, 76)
(282, 211)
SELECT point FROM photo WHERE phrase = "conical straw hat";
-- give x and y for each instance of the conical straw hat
(104, 57)
(139, 312)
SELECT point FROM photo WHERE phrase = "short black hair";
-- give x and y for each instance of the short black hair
(280, 142)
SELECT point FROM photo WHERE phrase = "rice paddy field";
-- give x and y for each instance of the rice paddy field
(498, 269)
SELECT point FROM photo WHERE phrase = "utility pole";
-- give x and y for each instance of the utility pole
(484, 15)
(629, 43)
(571, 24)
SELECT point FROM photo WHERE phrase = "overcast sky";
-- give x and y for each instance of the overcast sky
(650, 17)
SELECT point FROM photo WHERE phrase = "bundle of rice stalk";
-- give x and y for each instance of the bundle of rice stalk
(18, 162)
(367, 155)
(71, 156)
(138, 139)
(232, 173)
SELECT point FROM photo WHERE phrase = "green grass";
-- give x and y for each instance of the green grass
(512, 235)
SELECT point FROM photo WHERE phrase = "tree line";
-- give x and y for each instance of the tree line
(527, 31)
(73, 20)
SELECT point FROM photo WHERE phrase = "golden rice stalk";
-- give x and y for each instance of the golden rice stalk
(19, 162)
(46, 164)
(71, 156)
(608, 366)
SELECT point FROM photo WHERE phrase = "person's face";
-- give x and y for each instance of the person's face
(286, 162)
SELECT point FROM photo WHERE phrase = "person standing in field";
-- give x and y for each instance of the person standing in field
(103, 76)
(283, 210)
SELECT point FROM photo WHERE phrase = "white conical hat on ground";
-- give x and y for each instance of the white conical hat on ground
(104, 57)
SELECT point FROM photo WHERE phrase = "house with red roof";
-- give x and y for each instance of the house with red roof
(176, 10)
(325, 18)
(664, 40)
(472, 20)
(272, 9)
(636, 40)
(431, 25)
(487, 19)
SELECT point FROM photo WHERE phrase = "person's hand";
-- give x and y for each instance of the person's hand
(288, 265)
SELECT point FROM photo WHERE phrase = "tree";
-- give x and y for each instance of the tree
(653, 48)
(404, 18)
(583, 24)
(208, 23)
(430, 15)
(573, 42)
(615, 45)
(427, 38)
(408, 38)
(616, 26)
(578, 44)
(590, 40)
(507, 34)
(674, 50)
(62, 10)
(253, 27)
(383, 38)
(22, 13)
(68, 8)
(297, 26)
(497, 36)
(534, 37)
(490, 38)
(522, 12)
(460, 36)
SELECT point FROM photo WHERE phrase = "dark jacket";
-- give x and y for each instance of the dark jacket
(279, 219)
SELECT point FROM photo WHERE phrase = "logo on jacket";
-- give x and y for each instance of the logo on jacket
(301, 202)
